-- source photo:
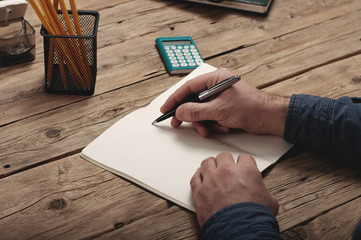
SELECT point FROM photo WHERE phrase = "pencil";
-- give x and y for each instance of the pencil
(81, 41)
(70, 52)
(56, 4)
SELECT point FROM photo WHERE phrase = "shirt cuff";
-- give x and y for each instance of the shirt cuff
(241, 221)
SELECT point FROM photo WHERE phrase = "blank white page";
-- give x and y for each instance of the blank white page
(162, 159)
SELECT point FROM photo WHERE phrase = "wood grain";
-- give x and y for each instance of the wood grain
(49, 192)
(308, 185)
(70, 192)
(225, 29)
(331, 225)
(45, 136)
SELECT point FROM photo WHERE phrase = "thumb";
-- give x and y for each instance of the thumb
(195, 112)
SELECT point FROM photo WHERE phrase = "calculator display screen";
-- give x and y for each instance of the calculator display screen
(183, 42)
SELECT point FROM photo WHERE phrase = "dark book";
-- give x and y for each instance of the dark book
(259, 6)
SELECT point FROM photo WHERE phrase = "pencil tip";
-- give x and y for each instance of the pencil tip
(153, 123)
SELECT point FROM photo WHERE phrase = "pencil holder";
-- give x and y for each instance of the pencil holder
(71, 60)
(17, 42)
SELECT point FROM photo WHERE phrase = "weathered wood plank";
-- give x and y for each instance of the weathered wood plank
(331, 225)
(335, 80)
(173, 223)
(57, 133)
(309, 185)
(72, 199)
(118, 66)
(297, 53)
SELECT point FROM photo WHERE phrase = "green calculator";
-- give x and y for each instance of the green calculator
(179, 54)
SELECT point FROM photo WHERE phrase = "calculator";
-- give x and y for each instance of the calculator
(179, 54)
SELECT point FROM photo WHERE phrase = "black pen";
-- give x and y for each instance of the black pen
(218, 88)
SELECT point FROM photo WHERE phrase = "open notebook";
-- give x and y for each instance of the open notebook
(162, 159)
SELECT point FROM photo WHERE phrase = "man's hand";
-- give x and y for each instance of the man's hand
(241, 106)
(221, 182)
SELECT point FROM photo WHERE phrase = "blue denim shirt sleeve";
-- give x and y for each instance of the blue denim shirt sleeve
(328, 126)
(244, 221)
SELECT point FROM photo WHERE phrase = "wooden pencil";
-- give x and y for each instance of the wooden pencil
(56, 4)
(81, 42)
(69, 51)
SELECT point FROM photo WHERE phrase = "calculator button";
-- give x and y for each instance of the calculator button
(184, 64)
(187, 54)
(182, 61)
(173, 47)
(193, 50)
(171, 55)
(169, 51)
(186, 46)
(192, 64)
(175, 65)
(199, 61)
(192, 46)
(190, 60)
(197, 57)
(185, 50)
(189, 57)
(180, 57)
(180, 47)
(166, 47)
(179, 54)
(174, 61)
(177, 51)
(195, 53)
(172, 58)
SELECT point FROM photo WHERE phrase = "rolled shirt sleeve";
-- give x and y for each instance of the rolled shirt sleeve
(329, 126)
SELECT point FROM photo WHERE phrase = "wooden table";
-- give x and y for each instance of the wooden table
(49, 192)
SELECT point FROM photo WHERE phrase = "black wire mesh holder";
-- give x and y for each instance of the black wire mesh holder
(71, 61)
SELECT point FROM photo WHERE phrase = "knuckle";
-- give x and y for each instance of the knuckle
(224, 155)
(194, 112)
(226, 170)
(225, 70)
(207, 161)
(192, 183)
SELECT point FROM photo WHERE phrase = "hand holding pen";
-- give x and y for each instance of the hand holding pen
(240, 106)
(204, 95)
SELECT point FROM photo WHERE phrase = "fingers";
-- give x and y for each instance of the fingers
(205, 128)
(195, 112)
(245, 159)
(208, 166)
(175, 122)
(194, 87)
(196, 180)
(224, 159)
(248, 166)
(202, 129)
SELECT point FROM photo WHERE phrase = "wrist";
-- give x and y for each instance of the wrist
(275, 114)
